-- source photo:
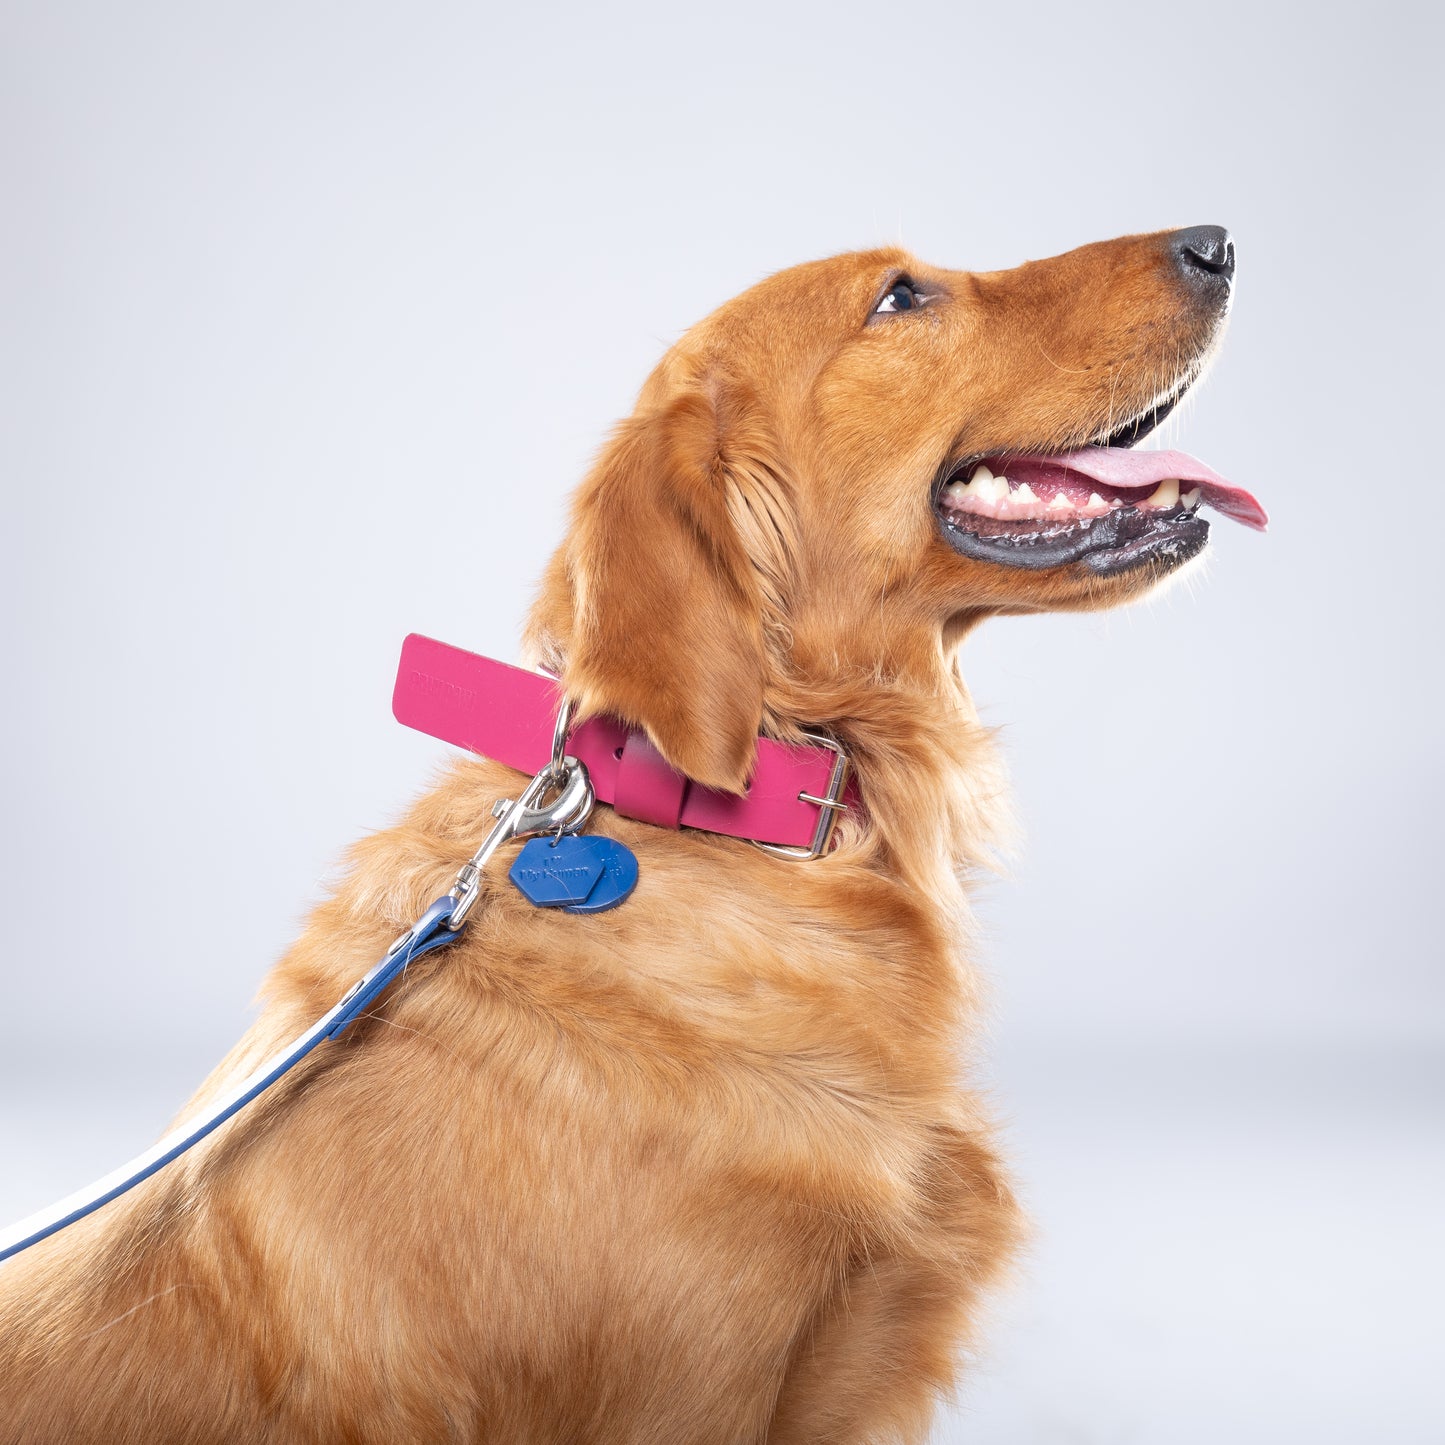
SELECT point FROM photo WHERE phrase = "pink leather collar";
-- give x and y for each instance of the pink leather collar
(507, 713)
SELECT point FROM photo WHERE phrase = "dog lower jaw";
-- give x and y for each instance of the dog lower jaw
(1117, 542)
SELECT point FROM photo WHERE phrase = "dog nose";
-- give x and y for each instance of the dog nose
(1204, 251)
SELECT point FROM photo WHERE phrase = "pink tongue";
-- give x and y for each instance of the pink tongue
(1124, 467)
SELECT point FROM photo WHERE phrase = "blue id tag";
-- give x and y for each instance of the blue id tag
(581, 874)
(557, 872)
(619, 877)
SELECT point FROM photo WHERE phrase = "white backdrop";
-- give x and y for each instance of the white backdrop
(310, 317)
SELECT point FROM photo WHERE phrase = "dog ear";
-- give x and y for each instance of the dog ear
(667, 628)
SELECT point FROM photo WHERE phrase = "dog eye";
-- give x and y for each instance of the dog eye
(903, 297)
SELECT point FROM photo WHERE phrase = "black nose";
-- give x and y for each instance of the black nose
(1204, 251)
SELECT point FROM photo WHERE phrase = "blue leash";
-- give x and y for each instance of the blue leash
(558, 800)
(431, 931)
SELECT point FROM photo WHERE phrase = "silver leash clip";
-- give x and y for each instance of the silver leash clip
(558, 800)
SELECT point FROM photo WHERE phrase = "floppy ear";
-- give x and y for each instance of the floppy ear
(667, 629)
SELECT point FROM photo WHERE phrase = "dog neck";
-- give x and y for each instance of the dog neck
(933, 786)
(934, 795)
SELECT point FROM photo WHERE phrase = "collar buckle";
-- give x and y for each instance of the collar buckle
(829, 806)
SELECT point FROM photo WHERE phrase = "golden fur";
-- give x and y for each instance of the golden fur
(703, 1168)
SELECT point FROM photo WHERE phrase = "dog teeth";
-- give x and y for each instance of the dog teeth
(997, 496)
(982, 486)
(987, 487)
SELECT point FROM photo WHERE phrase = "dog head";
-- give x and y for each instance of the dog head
(835, 475)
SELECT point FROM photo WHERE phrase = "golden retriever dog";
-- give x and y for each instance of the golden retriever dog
(703, 1168)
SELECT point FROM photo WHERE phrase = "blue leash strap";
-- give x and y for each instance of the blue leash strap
(430, 932)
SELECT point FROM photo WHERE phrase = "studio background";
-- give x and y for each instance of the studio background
(312, 315)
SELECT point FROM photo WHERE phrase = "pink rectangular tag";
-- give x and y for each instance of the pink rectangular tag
(476, 703)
